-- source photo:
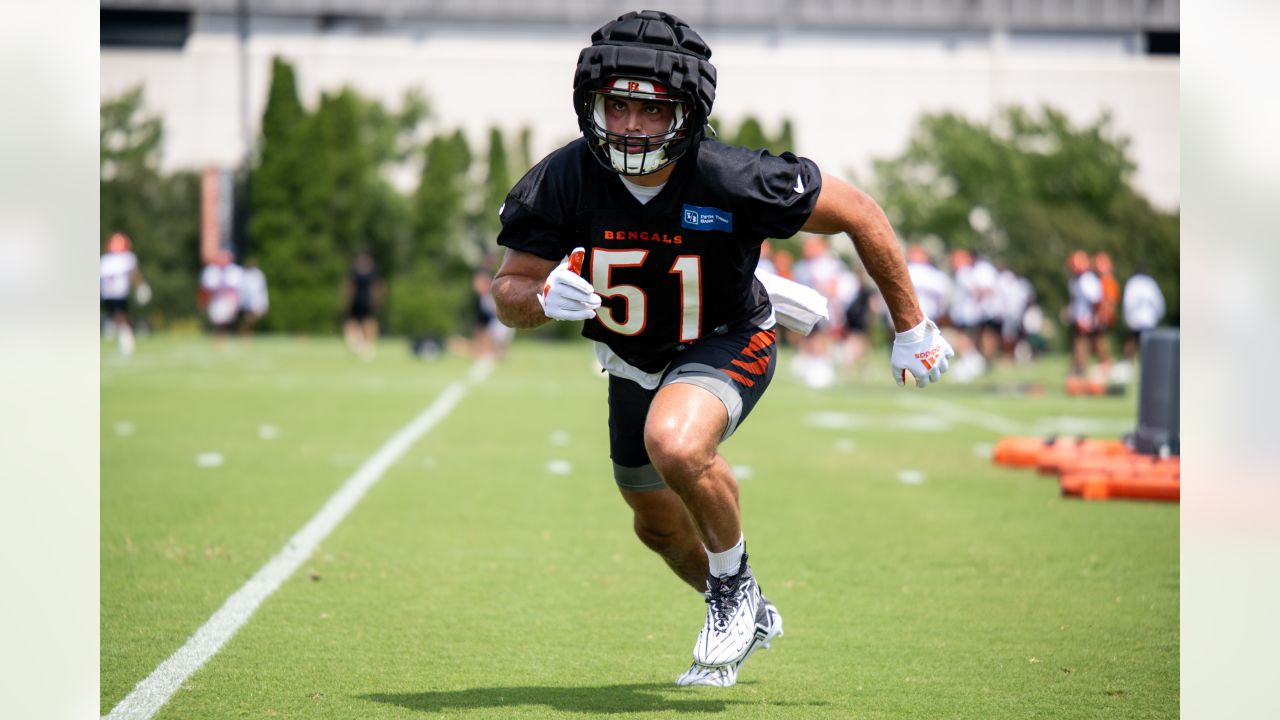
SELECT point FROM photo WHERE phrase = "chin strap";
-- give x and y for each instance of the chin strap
(637, 163)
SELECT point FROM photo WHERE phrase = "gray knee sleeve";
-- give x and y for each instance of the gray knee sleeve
(642, 479)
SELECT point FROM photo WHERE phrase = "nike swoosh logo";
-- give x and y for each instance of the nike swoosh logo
(799, 185)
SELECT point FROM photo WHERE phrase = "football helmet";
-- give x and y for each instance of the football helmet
(652, 57)
(118, 243)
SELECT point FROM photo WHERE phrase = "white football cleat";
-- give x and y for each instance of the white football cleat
(737, 619)
(727, 675)
(723, 676)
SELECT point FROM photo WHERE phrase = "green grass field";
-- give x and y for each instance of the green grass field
(492, 572)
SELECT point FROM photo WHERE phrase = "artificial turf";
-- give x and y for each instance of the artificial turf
(492, 572)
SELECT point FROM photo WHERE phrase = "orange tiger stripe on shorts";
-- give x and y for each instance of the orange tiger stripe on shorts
(755, 357)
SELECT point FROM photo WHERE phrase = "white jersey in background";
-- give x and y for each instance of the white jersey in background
(831, 277)
(964, 299)
(933, 289)
(983, 285)
(114, 273)
(1143, 303)
(1012, 295)
(1084, 293)
(221, 278)
(222, 282)
(253, 291)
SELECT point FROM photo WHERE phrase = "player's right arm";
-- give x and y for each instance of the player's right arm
(516, 286)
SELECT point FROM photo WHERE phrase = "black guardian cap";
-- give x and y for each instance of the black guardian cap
(675, 63)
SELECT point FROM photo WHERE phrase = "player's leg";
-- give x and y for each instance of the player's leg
(1102, 345)
(660, 520)
(683, 430)
(1079, 351)
(705, 395)
(351, 332)
(124, 329)
(664, 526)
(369, 327)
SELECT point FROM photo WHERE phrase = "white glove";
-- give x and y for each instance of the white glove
(566, 295)
(921, 351)
(143, 294)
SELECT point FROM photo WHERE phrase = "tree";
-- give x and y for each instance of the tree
(431, 294)
(277, 230)
(751, 134)
(1048, 187)
(320, 195)
(497, 184)
(159, 213)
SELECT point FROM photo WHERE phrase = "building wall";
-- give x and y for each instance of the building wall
(852, 97)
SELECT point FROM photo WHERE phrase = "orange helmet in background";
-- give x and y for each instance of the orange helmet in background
(917, 254)
(1078, 262)
(814, 246)
(118, 243)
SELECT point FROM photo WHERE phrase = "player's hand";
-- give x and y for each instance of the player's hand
(143, 294)
(921, 351)
(566, 295)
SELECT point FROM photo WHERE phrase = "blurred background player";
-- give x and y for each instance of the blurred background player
(982, 285)
(1108, 307)
(491, 337)
(821, 270)
(1143, 309)
(253, 296)
(965, 313)
(220, 283)
(1013, 296)
(857, 314)
(118, 273)
(1084, 292)
(362, 298)
(933, 287)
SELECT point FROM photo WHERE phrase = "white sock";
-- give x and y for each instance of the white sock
(724, 564)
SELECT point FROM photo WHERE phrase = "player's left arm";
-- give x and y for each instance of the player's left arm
(141, 290)
(918, 348)
(841, 207)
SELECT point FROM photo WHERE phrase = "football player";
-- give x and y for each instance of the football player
(362, 296)
(219, 296)
(118, 274)
(1084, 293)
(671, 223)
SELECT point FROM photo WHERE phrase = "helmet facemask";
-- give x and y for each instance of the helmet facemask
(637, 154)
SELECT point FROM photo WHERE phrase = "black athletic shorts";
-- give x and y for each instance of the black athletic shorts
(112, 305)
(359, 311)
(736, 366)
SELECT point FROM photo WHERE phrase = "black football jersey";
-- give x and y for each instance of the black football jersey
(677, 268)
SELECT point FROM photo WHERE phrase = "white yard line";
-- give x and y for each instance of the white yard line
(153, 692)
(989, 421)
(1053, 424)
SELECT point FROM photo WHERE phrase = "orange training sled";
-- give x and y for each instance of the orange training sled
(1048, 454)
(1095, 469)
(1139, 477)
